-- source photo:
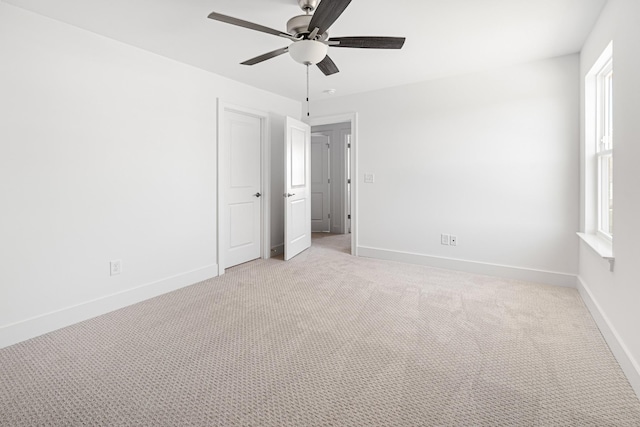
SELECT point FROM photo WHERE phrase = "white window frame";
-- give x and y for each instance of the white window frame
(604, 149)
(597, 150)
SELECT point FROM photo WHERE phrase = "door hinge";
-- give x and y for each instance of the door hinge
(329, 181)
(349, 216)
(349, 145)
(349, 181)
(328, 215)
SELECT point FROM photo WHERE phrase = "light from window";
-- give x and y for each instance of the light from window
(604, 148)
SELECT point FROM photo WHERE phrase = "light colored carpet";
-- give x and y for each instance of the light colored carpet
(326, 340)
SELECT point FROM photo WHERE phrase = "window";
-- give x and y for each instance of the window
(604, 149)
(597, 158)
(598, 154)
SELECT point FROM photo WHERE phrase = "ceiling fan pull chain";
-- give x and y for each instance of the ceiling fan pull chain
(308, 90)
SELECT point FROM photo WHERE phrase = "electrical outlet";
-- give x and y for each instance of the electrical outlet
(444, 239)
(453, 240)
(116, 267)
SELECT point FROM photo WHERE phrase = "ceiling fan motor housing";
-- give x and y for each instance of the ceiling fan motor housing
(299, 26)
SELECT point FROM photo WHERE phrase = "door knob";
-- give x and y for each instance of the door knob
(257, 194)
(289, 194)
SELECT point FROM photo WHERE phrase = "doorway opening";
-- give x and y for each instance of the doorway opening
(333, 170)
(331, 181)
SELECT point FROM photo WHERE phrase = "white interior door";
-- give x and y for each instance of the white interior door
(241, 180)
(297, 196)
(320, 192)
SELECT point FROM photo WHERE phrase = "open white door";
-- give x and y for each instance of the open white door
(297, 196)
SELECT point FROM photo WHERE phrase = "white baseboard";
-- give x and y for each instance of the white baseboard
(39, 325)
(530, 275)
(629, 365)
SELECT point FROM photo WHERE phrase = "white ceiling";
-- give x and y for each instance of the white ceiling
(444, 37)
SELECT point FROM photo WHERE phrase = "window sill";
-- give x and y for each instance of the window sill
(599, 246)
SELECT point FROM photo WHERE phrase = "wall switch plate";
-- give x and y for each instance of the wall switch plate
(444, 239)
(369, 178)
(453, 240)
(116, 267)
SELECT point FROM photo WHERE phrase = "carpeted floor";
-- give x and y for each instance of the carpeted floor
(326, 339)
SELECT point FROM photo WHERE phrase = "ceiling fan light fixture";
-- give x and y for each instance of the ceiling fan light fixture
(308, 52)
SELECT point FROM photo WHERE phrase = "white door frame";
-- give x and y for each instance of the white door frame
(353, 118)
(265, 176)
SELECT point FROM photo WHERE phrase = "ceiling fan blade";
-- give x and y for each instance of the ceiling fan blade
(258, 59)
(368, 42)
(326, 14)
(327, 66)
(246, 24)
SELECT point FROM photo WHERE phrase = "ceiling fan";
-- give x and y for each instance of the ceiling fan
(309, 35)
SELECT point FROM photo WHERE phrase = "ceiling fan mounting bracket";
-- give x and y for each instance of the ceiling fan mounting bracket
(308, 6)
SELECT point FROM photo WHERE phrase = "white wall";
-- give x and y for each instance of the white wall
(613, 297)
(107, 152)
(491, 158)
